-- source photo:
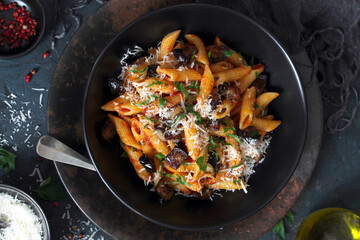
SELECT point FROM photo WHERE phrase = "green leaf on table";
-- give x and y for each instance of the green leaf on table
(290, 217)
(51, 190)
(7, 160)
(279, 229)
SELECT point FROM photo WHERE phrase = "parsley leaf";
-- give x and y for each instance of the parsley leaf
(254, 133)
(195, 85)
(209, 56)
(142, 103)
(146, 125)
(124, 155)
(51, 190)
(252, 61)
(261, 108)
(157, 82)
(166, 175)
(181, 87)
(193, 56)
(138, 71)
(162, 102)
(279, 229)
(228, 126)
(235, 137)
(236, 166)
(161, 157)
(181, 180)
(7, 160)
(237, 181)
(200, 162)
(190, 109)
(290, 217)
(148, 119)
(178, 118)
(132, 149)
(228, 53)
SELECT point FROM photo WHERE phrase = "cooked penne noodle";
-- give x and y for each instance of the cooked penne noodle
(201, 56)
(246, 81)
(127, 109)
(134, 156)
(236, 58)
(206, 85)
(168, 43)
(265, 125)
(182, 75)
(262, 101)
(124, 132)
(221, 66)
(231, 75)
(224, 109)
(247, 108)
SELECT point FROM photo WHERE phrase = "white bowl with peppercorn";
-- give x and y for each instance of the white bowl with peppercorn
(22, 25)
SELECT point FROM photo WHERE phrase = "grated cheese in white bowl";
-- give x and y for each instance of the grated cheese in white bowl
(22, 221)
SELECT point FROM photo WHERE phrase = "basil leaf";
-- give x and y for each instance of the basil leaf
(228, 53)
(162, 102)
(7, 160)
(279, 229)
(51, 190)
(181, 87)
(201, 163)
(290, 217)
(138, 71)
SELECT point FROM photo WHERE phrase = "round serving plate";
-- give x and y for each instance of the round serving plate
(87, 189)
(25, 198)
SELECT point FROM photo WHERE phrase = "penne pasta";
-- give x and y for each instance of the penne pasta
(247, 108)
(231, 75)
(201, 56)
(182, 75)
(168, 43)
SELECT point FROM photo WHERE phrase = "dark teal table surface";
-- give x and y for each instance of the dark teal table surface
(334, 183)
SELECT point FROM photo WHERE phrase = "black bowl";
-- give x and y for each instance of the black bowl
(239, 32)
(37, 12)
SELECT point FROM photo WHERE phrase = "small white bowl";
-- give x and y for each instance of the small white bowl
(22, 196)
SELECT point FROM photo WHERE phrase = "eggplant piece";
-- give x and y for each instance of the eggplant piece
(115, 85)
(172, 135)
(213, 160)
(177, 156)
(147, 163)
(185, 54)
(164, 191)
(212, 125)
(179, 54)
(205, 194)
(108, 131)
(217, 53)
(226, 91)
(260, 83)
(249, 132)
(152, 70)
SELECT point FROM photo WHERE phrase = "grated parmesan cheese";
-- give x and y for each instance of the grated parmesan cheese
(23, 222)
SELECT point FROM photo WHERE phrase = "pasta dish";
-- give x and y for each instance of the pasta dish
(191, 118)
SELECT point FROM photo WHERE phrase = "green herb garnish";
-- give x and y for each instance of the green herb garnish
(7, 160)
(138, 71)
(186, 163)
(195, 85)
(228, 53)
(290, 217)
(181, 87)
(190, 109)
(261, 108)
(236, 166)
(132, 149)
(201, 163)
(178, 118)
(124, 155)
(228, 126)
(209, 56)
(193, 55)
(252, 61)
(254, 133)
(157, 82)
(148, 119)
(235, 137)
(142, 103)
(51, 190)
(279, 229)
(255, 74)
(181, 180)
(237, 181)
(162, 102)
(161, 157)
(166, 174)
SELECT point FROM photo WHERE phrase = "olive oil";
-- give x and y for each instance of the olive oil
(330, 224)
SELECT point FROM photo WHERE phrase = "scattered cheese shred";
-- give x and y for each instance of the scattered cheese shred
(21, 219)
